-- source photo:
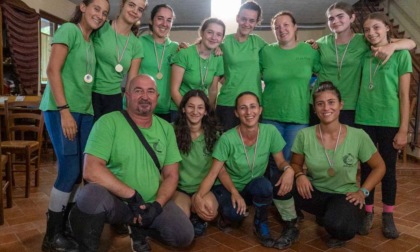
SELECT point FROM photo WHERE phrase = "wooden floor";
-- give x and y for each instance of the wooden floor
(25, 224)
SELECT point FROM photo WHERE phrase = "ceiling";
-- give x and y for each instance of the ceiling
(308, 13)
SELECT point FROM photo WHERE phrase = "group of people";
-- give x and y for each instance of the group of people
(225, 150)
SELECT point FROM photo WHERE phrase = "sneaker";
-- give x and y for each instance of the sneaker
(200, 226)
(366, 224)
(139, 242)
(262, 232)
(335, 243)
(389, 229)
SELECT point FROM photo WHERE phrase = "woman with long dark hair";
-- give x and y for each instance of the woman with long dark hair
(196, 132)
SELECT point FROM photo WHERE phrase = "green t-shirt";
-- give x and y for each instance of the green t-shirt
(78, 93)
(242, 70)
(113, 140)
(190, 60)
(286, 75)
(351, 70)
(194, 166)
(380, 106)
(356, 146)
(149, 65)
(108, 81)
(230, 149)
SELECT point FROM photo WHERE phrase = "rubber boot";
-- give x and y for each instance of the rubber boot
(366, 224)
(261, 229)
(86, 229)
(289, 235)
(54, 239)
(388, 226)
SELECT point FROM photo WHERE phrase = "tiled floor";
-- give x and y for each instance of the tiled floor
(25, 224)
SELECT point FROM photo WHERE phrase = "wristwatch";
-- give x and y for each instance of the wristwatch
(364, 191)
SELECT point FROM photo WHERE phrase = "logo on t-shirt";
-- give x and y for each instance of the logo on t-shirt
(349, 160)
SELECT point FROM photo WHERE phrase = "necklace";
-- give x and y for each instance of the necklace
(88, 78)
(118, 67)
(331, 171)
(203, 77)
(159, 74)
(340, 63)
(371, 77)
(251, 167)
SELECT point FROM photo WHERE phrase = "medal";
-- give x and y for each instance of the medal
(331, 172)
(88, 78)
(119, 68)
(159, 74)
(372, 76)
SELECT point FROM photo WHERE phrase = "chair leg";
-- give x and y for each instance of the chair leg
(1, 193)
(9, 196)
(28, 173)
(37, 165)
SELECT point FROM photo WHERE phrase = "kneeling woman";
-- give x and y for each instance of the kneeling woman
(240, 159)
(196, 134)
(331, 152)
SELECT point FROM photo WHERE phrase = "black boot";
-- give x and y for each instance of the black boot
(261, 229)
(54, 239)
(86, 229)
(66, 224)
(289, 235)
(389, 230)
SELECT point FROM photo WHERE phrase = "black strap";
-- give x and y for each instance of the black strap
(142, 139)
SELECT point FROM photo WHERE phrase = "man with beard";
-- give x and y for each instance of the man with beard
(126, 185)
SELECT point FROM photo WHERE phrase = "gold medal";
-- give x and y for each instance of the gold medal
(331, 172)
(159, 76)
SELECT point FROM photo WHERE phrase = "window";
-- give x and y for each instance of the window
(48, 25)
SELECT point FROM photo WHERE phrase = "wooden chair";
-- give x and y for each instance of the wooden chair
(24, 127)
(5, 182)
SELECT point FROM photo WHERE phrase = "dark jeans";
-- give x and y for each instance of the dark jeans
(173, 115)
(341, 218)
(274, 174)
(104, 104)
(257, 192)
(227, 117)
(383, 137)
(346, 117)
(172, 226)
(166, 117)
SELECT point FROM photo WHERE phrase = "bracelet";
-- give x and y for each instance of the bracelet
(66, 106)
(299, 174)
(286, 167)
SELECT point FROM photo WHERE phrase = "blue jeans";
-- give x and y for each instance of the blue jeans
(258, 191)
(288, 131)
(69, 153)
(172, 226)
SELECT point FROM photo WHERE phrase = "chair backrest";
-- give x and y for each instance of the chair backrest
(22, 117)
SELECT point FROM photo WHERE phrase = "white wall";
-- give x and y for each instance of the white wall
(59, 8)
